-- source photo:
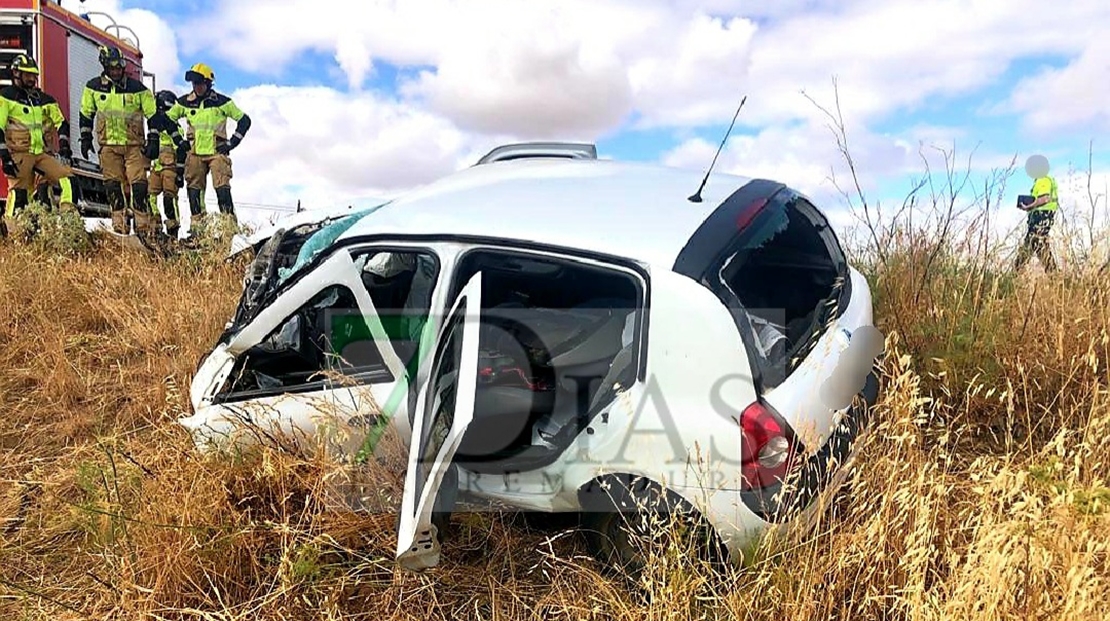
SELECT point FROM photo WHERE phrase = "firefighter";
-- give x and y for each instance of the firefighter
(206, 112)
(168, 169)
(118, 105)
(24, 111)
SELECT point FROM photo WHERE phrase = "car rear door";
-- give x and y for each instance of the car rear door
(444, 409)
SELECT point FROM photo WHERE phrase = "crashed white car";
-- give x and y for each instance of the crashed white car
(561, 333)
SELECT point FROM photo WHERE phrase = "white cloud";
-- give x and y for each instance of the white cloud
(504, 70)
(1075, 96)
(804, 156)
(157, 39)
(324, 146)
(582, 67)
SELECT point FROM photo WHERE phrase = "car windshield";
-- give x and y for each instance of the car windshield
(286, 253)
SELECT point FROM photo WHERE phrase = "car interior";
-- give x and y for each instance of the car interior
(555, 340)
(785, 275)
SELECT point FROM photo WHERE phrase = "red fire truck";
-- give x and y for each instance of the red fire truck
(66, 46)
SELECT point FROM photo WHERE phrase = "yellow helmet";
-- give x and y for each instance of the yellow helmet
(24, 63)
(200, 72)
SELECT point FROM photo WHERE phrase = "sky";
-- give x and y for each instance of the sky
(357, 100)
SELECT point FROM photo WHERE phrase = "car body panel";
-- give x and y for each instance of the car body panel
(582, 202)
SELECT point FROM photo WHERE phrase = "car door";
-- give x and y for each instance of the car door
(294, 405)
(445, 408)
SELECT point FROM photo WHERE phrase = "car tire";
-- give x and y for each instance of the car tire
(619, 524)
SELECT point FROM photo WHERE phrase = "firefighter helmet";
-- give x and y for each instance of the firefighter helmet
(24, 63)
(111, 57)
(165, 99)
(200, 72)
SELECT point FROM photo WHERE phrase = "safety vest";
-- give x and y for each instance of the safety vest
(117, 109)
(165, 143)
(27, 116)
(207, 118)
(1046, 185)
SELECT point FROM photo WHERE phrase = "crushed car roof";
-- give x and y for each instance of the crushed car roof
(639, 211)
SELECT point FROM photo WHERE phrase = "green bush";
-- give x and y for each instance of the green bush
(57, 231)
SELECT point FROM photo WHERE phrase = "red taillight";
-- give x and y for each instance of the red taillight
(745, 218)
(767, 448)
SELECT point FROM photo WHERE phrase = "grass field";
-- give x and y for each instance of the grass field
(982, 494)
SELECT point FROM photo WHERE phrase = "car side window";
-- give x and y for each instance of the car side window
(325, 336)
(780, 276)
(400, 284)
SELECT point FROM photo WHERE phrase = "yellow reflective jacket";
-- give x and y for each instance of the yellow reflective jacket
(118, 110)
(1046, 185)
(207, 119)
(27, 118)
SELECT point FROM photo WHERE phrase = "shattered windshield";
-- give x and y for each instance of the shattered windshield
(283, 255)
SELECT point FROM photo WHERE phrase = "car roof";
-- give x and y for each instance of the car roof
(638, 211)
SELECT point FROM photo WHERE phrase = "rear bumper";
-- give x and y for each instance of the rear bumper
(776, 505)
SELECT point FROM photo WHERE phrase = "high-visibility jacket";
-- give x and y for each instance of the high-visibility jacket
(165, 143)
(169, 135)
(1046, 185)
(27, 116)
(118, 110)
(207, 120)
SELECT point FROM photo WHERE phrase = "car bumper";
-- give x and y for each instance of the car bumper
(776, 505)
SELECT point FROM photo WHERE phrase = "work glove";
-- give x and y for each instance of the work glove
(86, 145)
(180, 174)
(150, 152)
(183, 149)
(226, 147)
(64, 149)
(10, 168)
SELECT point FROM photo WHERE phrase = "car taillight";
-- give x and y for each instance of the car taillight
(750, 212)
(768, 447)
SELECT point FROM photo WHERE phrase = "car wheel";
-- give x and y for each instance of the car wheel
(625, 531)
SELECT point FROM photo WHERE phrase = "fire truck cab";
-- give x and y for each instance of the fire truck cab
(66, 46)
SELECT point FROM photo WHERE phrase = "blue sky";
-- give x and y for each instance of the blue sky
(645, 80)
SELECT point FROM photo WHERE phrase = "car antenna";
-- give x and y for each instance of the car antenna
(696, 198)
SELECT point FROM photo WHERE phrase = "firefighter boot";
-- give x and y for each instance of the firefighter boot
(169, 205)
(115, 204)
(194, 202)
(223, 199)
(144, 219)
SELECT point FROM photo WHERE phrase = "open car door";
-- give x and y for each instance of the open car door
(444, 409)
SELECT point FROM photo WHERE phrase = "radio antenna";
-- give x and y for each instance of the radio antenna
(696, 198)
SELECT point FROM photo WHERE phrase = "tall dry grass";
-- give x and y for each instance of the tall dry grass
(981, 493)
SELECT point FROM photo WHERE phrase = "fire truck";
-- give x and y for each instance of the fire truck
(66, 45)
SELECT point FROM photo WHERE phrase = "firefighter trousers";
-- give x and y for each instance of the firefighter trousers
(125, 164)
(54, 171)
(197, 168)
(163, 181)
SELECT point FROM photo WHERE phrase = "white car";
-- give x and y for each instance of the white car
(591, 335)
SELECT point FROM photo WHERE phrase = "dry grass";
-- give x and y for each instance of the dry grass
(982, 492)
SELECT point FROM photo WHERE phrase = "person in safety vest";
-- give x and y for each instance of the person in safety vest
(25, 111)
(206, 112)
(118, 104)
(1042, 211)
(168, 169)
